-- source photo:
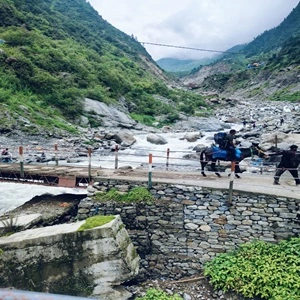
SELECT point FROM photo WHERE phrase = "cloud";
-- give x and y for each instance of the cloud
(206, 24)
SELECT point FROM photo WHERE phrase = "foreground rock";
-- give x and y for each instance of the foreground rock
(60, 260)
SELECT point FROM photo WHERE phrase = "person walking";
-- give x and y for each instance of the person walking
(281, 121)
(289, 162)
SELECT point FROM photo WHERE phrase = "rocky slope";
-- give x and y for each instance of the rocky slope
(250, 84)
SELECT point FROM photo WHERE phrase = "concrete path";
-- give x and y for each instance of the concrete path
(249, 182)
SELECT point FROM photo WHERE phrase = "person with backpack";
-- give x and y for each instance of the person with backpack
(227, 143)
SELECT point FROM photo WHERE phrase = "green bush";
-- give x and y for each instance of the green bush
(271, 271)
(144, 119)
(137, 194)
(154, 294)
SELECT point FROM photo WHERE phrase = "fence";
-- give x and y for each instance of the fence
(164, 160)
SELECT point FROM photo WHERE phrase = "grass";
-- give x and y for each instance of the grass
(95, 221)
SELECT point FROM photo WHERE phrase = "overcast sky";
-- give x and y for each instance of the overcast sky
(203, 24)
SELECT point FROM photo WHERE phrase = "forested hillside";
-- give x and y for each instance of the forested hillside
(277, 47)
(55, 53)
(266, 68)
(272, 40)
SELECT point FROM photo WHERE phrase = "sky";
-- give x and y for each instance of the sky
(202, 24)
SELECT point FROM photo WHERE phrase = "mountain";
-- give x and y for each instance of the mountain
(266, 68)
(272, 40)
(54, 54)
(269, 41)
(182, 66)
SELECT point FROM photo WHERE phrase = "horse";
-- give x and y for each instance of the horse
(213, 154)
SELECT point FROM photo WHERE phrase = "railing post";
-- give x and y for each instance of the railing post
(150, 172)
(231, 182)
(90, 163)
(56, 156)
(261, 164)
(21, 161)
(116, 156)
(168, 157)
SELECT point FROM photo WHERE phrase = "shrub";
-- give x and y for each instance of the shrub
(154, 294)
(10, 224)
(271, 271)
(137, 194)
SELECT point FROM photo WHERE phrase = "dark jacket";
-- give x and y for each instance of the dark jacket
(289, 158)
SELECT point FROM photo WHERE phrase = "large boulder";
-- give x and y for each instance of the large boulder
(110, 116)
(156, 139)
(124, 138)
(201, 124)
(192, 136)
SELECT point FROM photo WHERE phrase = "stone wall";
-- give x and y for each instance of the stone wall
(189, 225)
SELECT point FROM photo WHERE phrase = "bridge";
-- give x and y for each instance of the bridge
(71, 176)
(53, 174)
(62, 176)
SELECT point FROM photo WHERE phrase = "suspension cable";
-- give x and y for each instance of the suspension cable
(188, 48)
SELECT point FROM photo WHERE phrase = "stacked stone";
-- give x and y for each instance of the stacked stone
(188, 225)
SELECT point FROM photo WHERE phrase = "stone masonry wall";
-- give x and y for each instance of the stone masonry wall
(188, 225)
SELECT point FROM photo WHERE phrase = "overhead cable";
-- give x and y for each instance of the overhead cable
(189, 48)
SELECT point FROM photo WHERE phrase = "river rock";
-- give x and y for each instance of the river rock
(109, 116)
(156, 139)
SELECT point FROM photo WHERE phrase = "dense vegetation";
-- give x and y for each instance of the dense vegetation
(55, 53)
(271, 271)
(273, 39)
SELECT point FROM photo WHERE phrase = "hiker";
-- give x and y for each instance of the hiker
(253, 125)
(5, 155)
(281, 121)
(244, 123)
(289, 161)
(228, 144)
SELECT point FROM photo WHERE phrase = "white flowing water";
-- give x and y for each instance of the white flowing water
(138, 154)
(13, 195)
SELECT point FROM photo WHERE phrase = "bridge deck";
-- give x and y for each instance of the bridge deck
(69, 176)
(65, 176)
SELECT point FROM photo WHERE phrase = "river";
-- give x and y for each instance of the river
(13, 195)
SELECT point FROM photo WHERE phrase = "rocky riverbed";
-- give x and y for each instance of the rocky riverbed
(262, 125)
